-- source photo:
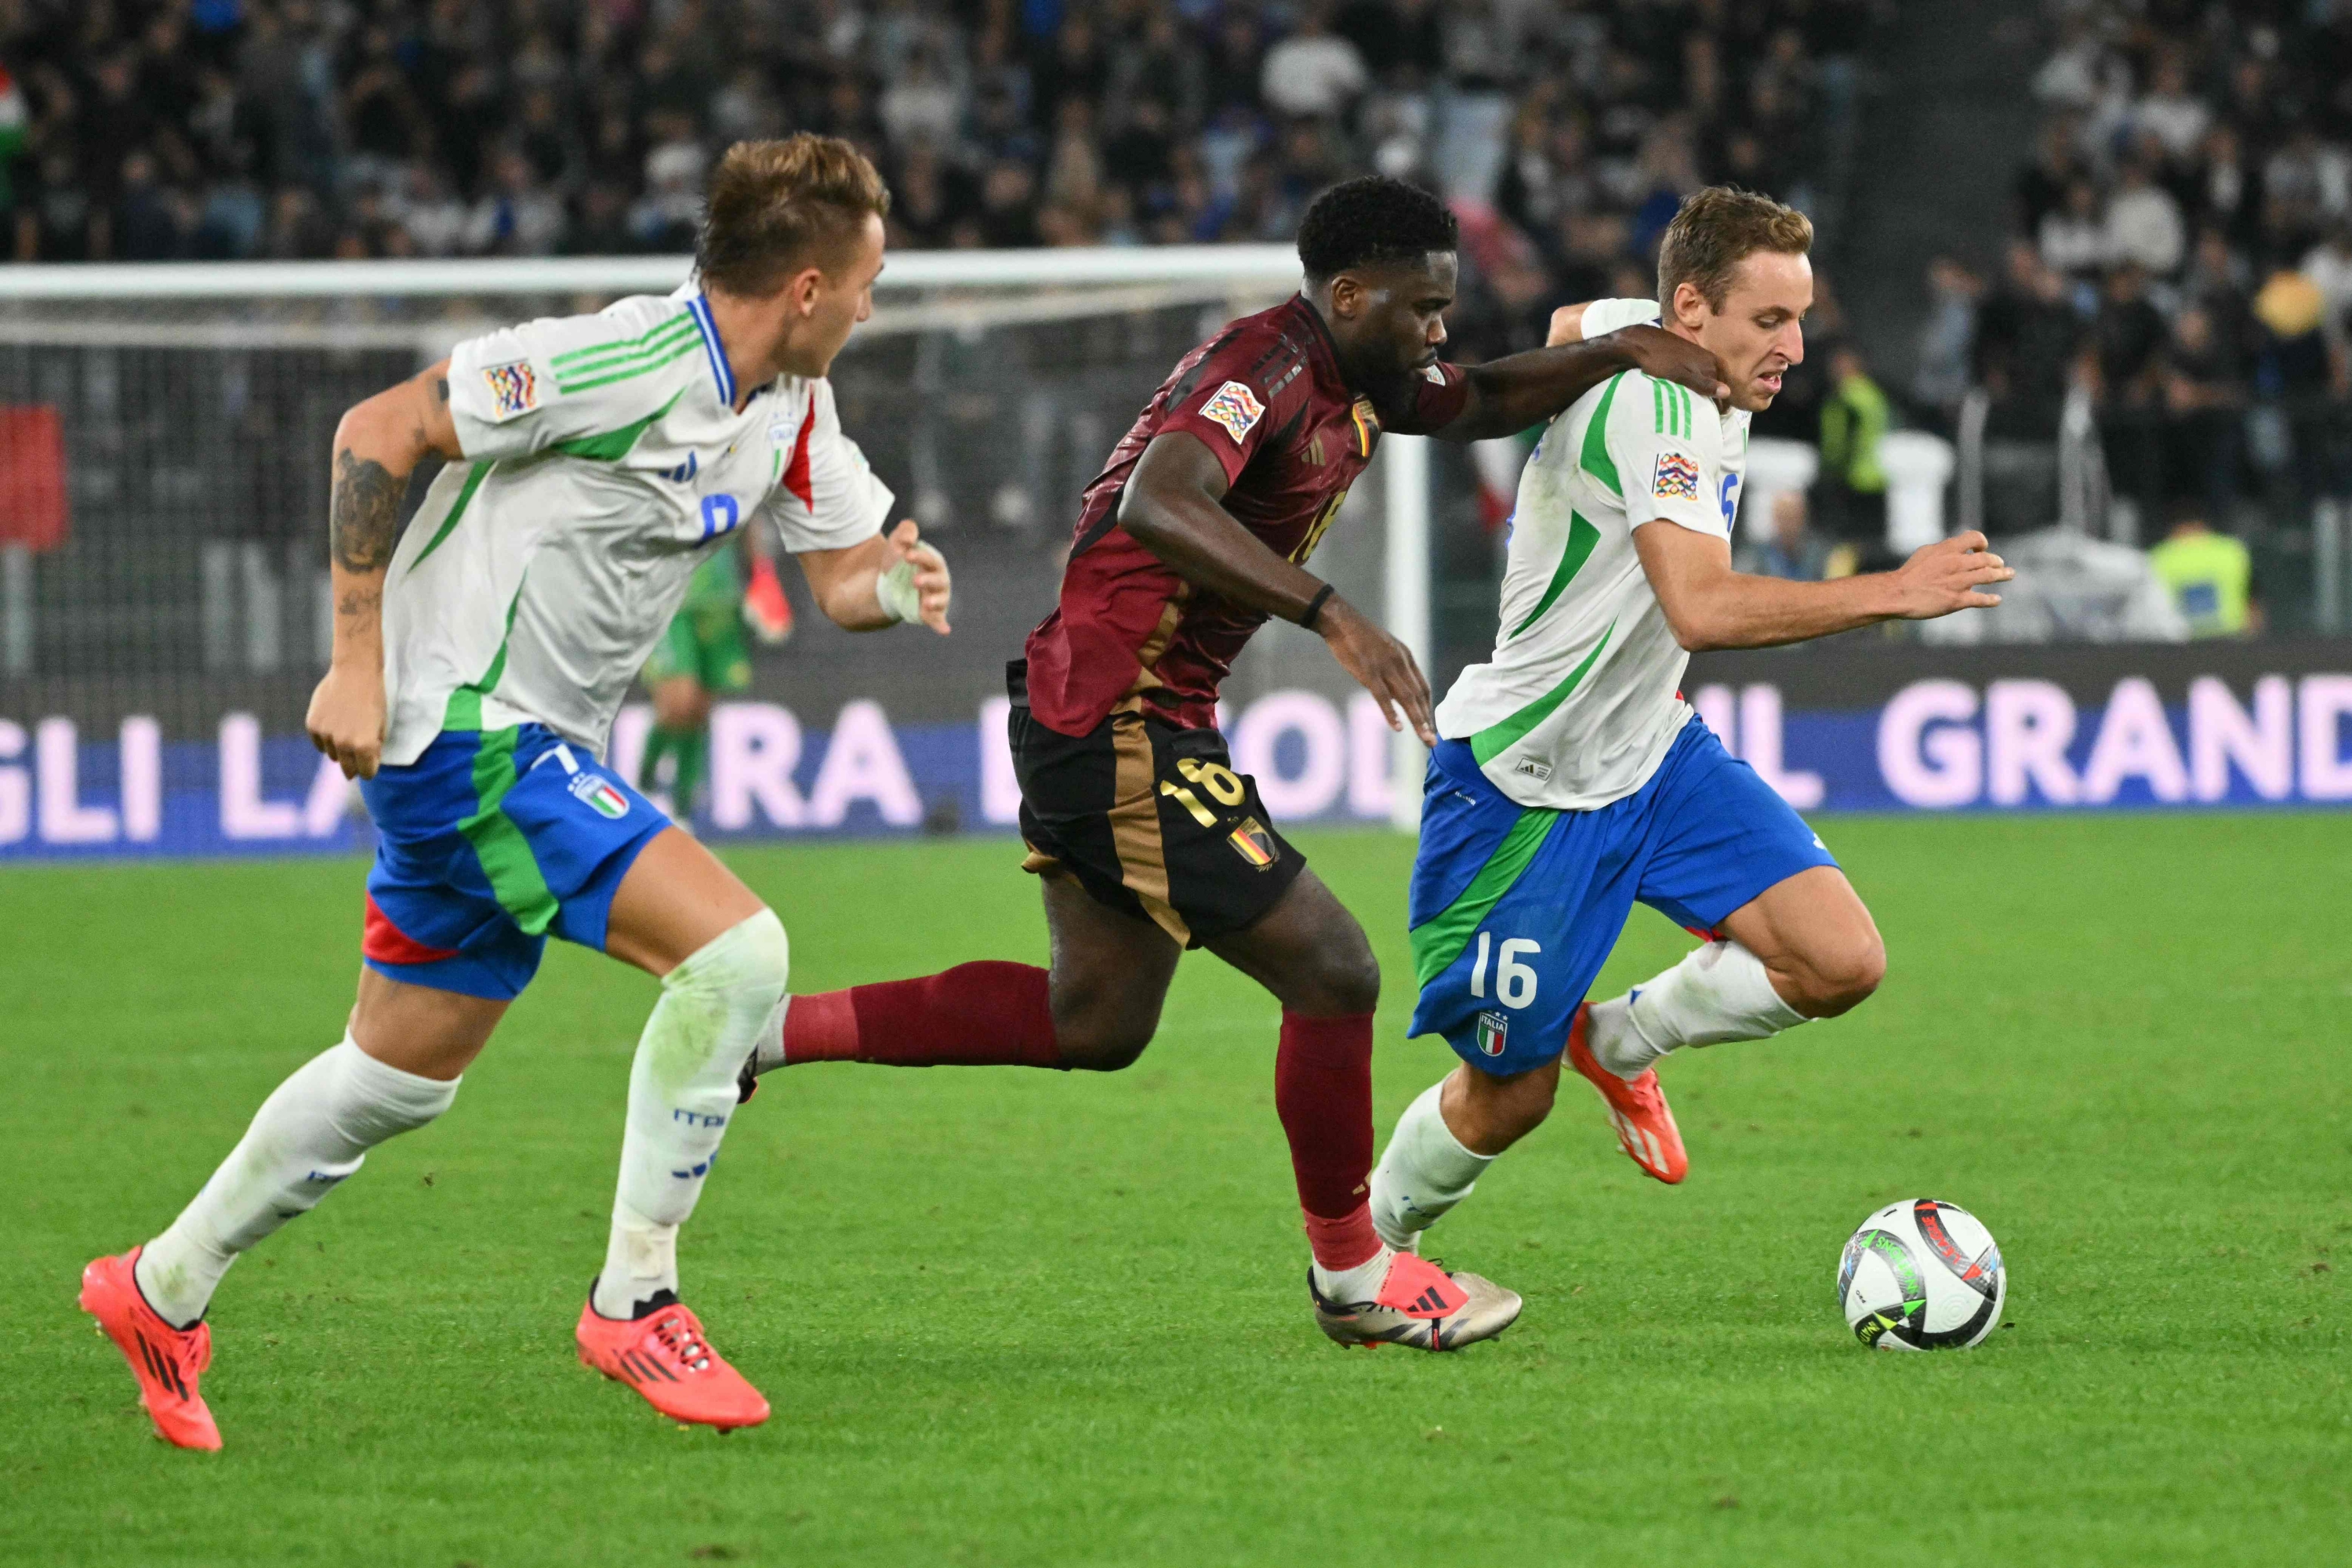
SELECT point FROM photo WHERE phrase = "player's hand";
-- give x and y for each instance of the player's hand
(1659, 353)
(1382, 665)
(1948, 575)
(346, 719)
(932, 584)
(1567, 325)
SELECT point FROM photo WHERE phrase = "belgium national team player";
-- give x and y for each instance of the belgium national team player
(1146, 839)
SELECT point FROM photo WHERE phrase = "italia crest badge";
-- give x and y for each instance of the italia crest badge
(600, 795)
(1494, 1033)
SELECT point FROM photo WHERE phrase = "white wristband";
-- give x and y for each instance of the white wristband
(895, 591)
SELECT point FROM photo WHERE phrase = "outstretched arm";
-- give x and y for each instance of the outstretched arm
(378, 445)
(1709, 606)
(1172, 507)
(1509, 395)
(892, 577)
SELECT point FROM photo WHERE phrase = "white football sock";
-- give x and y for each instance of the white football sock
(1345, 1287)
(681, 1094)
(1718, 992)
(309, 1134)
(1423, 1173)
(769, 1054)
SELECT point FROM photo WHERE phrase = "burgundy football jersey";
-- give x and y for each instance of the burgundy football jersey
(1265, 395)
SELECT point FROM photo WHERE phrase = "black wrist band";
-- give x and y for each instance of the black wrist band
(1315, 605)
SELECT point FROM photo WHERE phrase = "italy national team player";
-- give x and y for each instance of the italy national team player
(1574, 780)
(1146, 839)
(594, 461)
(704, 656)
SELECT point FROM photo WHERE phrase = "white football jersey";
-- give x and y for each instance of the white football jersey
(604, 460)
(1581, 699)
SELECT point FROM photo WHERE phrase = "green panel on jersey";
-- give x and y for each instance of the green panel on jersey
(582, 361)
(498, 844)
(607, 373)
(612, 446)
(464, 710)
(1495, 739)
(458, 509)
(1581, 537)
(1438, 942)
(1595, 460)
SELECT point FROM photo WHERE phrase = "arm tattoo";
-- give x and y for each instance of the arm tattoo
(364, 516)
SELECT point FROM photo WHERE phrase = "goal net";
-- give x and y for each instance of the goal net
(164, 439)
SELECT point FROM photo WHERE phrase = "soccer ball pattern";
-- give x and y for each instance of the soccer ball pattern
(1921, 1275)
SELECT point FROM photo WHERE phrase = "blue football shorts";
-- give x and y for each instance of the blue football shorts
(487, 843)
(1514, 909)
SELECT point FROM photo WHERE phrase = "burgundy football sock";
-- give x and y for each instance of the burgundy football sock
(1323, 1092)
(976, 1014)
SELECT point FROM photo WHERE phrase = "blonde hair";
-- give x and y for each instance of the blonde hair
(1716, 229)
(773, 208)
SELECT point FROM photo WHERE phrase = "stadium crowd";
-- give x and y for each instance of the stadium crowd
(2181, 251)
(1566, 130)
(2181, 254)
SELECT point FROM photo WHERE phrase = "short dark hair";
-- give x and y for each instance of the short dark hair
(1714, 231)
(1368, 221)
(773, 208)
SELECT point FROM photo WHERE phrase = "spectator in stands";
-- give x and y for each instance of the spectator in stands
(1854, 419)
(2176, 117)
(1947, 340)
(2228, 188)
(2027, 339)
(2057, 166)
(1314, 71)
(2127, 340)
(1791, 550)
(2306, 375)
(2076, 239)
(2329, 264)
(2204, 403)
(2143, 221)
(2209, 575)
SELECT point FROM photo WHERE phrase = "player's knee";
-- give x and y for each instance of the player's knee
(1838, 977)
(1102, 1028)
(1341, 977)
(1496, 1112)
(750, 962)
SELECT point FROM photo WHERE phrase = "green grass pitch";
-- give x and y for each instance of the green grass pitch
(1020, 1318)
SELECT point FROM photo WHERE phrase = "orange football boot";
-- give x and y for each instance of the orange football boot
(664, 1356)
(1637, 1106)
(765, 609)
(167, 1360)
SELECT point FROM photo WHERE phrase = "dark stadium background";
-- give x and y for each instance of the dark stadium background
(2100, 249)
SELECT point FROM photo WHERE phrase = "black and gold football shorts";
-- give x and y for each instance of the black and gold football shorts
(1151, 820)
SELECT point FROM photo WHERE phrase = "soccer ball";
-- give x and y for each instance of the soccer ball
(1922, 1276)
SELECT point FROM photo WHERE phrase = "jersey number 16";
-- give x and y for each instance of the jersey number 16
(1515, 983)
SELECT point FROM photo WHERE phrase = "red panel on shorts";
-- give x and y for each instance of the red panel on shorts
(387, 943)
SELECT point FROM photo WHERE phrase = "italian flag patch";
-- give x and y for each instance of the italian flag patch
(602, 795)
(1494, 1032)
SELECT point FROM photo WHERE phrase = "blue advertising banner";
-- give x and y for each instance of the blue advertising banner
(1849, 727)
